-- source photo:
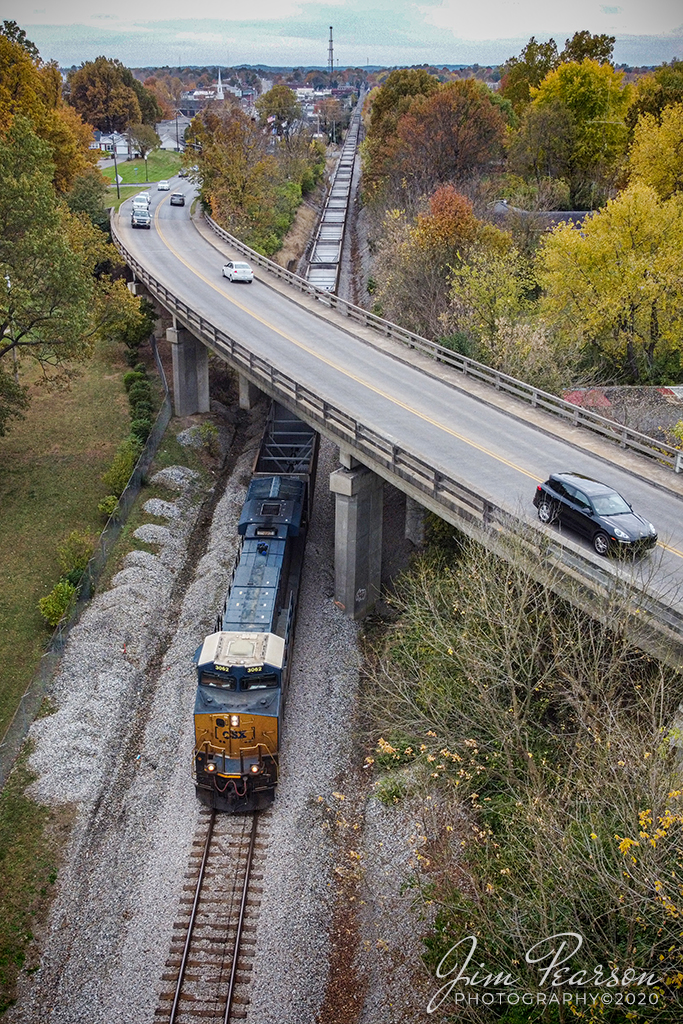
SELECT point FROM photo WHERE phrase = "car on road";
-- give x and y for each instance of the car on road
(183, 172)
(236, 271)
(142, 199)
(596, 511)
(141, 218)
(163, 186)
(177, 199)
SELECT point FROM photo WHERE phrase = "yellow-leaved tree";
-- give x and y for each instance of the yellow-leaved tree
(613, 284)
(656, 156)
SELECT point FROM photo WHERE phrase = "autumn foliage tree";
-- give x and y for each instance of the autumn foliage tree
(387, 104)
(614, 282)
(447, 136)
(32, 89)
(107, 95)
(416, 259)
(574, 128)
(656, 156)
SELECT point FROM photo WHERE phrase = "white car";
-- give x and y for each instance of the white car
(142, 197)
(163, 186)
(235, 271)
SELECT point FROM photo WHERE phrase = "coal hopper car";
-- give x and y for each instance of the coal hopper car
(243, 667)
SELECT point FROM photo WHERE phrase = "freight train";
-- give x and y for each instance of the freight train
(243, 667)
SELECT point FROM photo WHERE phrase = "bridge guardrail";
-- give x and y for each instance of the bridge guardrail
(448, 493)
(624, 436)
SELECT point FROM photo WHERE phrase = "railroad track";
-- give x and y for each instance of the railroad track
(208, 970)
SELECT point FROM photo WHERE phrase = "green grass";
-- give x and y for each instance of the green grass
(115, 201)
(160, 164)
(169, 453)
(31, 837)
(51, 465)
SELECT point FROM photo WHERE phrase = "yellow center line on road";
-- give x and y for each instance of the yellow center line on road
(341, 369)
(333, 365)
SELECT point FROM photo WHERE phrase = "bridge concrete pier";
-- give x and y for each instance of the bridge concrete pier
(190, 372)
(415, 522)
(249, 393)
(358, 538)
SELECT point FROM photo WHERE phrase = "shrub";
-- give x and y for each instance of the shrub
(118, 474)
(140, 429)
(131, 377)
(142, 411)
(74, 553)
(108, 505)
(57, 603)
(140, 391)
(208, 434)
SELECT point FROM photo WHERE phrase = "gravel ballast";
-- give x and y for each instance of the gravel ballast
(119, 748)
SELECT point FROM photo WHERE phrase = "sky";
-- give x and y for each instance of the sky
(376, 32)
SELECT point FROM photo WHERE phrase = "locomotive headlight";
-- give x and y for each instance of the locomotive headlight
(234, 721)
(254, 768)
(211, 767)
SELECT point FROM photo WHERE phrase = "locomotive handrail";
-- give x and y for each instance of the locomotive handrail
(377, 451)
(624, 436)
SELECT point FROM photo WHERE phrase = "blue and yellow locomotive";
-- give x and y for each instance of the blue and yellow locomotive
(243, 667)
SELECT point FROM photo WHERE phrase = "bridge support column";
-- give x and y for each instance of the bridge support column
(415, 522)
(249, 393)
(358, 539)
(190, 372)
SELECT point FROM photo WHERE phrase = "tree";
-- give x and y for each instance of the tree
(387, 105)
(584, 46)
(522, 74)
(655, 92)
(87, 195)
(144, 138)
(31, 89)
(614, 284)
(108, 97)
(413, 262)
(236, 172)
(542, 147)
(11, 30)
(279, 109)
(446, 136)
(331, 116)
(51, 303)
(589, 101)
(656, 156)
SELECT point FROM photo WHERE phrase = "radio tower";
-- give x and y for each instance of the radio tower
(330, 56)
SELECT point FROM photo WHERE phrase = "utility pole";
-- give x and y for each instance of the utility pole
(116, 171)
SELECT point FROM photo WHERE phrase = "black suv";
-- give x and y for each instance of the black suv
(594, 510)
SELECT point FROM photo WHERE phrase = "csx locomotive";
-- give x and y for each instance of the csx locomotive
(243, 667)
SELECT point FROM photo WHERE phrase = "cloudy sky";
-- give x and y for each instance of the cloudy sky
(295, 32)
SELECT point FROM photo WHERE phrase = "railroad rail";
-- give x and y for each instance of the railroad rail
(208, 970)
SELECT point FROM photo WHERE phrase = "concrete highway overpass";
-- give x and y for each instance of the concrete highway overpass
(470, 451)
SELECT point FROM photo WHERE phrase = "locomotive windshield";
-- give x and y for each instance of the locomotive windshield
(222, 682)
(260, 682)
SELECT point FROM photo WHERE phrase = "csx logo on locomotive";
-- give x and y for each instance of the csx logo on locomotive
(221, 733)
(235, 734)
